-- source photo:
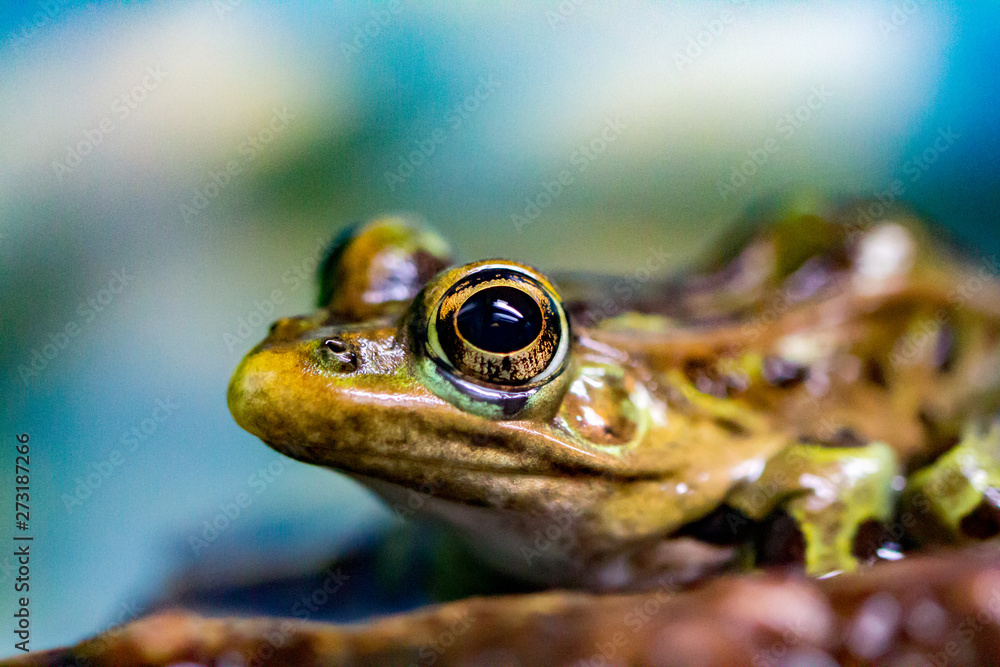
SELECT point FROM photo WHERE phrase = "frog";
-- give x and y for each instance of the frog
(820, 391)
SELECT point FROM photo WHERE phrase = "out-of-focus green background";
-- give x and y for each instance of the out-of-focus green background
(169, 173)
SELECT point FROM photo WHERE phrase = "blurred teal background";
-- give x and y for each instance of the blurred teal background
(169, 174)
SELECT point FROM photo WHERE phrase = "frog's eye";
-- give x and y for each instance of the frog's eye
(499, 325)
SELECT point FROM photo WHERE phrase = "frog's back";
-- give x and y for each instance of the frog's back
(840, 326)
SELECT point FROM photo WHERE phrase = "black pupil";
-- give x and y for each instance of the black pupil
(499, 319)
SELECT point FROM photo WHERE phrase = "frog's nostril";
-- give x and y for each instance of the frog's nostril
(340, 354)
(336, 346)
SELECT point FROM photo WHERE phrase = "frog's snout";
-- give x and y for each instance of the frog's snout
(245, 389)
(263, 392)
(305, 381)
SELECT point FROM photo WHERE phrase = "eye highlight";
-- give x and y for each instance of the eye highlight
(498, 325)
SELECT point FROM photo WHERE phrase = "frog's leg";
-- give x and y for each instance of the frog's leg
(829, 491)
(957, 498)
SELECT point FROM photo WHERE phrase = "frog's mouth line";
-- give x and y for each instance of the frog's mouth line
(403, 467)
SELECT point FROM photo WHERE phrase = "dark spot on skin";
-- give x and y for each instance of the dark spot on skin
(351, 423)
(847, 437)
(734, 428)
(926, 420)
(566, 470)
(699, 373)
(780, 542)
(937, 442)
(724, 526)
(944, 349)
(983, 522)
(480, 439)
(843, 437)
(940, 436)
(783, 373)
(875, 373)
(707, 379)
(871, 536)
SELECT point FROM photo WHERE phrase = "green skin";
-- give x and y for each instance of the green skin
(645, 423)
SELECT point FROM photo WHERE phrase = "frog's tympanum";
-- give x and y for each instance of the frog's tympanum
(822, 392)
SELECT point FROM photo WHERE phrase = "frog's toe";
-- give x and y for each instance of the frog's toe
(956, 499)
(825, 506)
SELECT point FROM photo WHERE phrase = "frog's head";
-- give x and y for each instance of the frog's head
(475, 400)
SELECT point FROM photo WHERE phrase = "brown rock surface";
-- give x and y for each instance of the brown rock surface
(928, 610)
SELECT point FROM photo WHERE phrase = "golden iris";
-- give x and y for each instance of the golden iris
(501, 326)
